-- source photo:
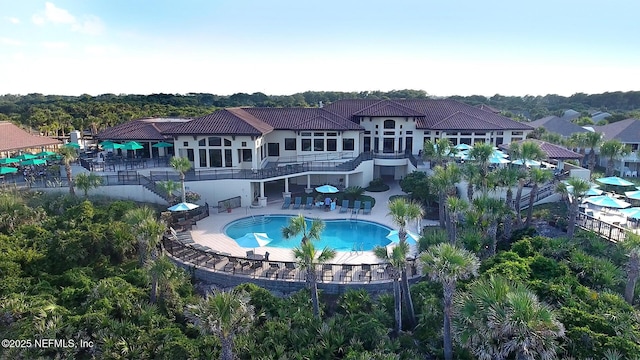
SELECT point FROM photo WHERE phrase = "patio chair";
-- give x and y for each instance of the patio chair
(297, 202)
(287, 203)
(345, 272)
(309, 204)
(356, 206)
(345, 206)
(367, 208)
(365, 272)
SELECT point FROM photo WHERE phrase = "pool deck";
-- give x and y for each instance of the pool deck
(209, 231)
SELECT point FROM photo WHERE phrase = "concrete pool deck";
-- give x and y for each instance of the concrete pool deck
(210, 231)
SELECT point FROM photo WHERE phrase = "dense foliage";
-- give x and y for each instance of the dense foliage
(69, 270)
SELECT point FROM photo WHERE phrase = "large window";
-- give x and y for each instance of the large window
(318, 144)
(306, 144)
(348, 144)
(273, 149)
(290, 143)
(389, 124)
(215, 158)
(388, 145)
(190, 155)
(247, 155)
(332, 145)
(228, 158)
(203, 157)
(215, 141)
(202, 142)
(227, 142)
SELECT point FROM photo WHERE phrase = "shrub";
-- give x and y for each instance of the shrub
(353, 192)
(377, 185)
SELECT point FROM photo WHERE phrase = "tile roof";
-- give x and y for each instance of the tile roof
(14, 138)
(303, 119)
(221, 122)
(387, 108)
(552, 151)
(627, 131)
(462, 121)
(141, 129)
(488, 108)
(558, 125)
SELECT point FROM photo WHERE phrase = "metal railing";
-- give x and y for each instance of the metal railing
(611, 232)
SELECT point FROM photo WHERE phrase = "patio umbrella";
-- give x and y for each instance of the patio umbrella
(607, 201)
(327, 189)
(132, 145)
(183, 206)
(412, 238)
(110, 145)
(499, 153)
(498, 160)
(463, 147)
(72, 145)
(614, 180)
(632, 213)
(253, 240)
(527, 162)
(9, 161)
(635, 195)
(25, 156)
(46, 153)
(591, 192)
(33, 162)
(7, 170)
(162, 144)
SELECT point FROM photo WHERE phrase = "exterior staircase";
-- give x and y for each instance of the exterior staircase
(150, 185)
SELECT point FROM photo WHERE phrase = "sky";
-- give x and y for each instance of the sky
(281, 47)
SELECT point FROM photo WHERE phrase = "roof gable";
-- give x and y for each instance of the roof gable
(387, 108)
(558, 125)
(627, 131)
(221, 122)
(13, 138)
(462, 121)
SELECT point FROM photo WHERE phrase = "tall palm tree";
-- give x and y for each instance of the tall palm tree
(396, 258)
(68, 155)
(443, 182)
(573, 192)
(632, 246)
(455, 207)
(578, 141)
(613, 150)
(592, 140)
(298, 226)
(437, 151)
(182, 165)
(471, 173)
(508, 179)
(147, 229)
(481, 153)
(162, 270)
(499, 319)
(223, 314)
(491, 210)
(403, 212)
(308, 259)
(87, 181)
(537, 176)
(446, 264)
(169, 187)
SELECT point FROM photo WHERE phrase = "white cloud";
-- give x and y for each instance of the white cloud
(55, 45)
(12, 42)
(88, 24)
(38, 19)
(91, 25)
(58, 15)
(13, 20)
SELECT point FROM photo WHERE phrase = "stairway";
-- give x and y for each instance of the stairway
(151, 186)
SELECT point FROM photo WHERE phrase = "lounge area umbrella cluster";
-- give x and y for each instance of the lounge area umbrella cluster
(607, 201)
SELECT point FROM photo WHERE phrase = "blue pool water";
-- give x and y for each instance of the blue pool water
(341, 235)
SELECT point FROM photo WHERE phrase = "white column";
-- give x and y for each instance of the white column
(262, 200)
(308, 181)
(346, 180)
(286, 185)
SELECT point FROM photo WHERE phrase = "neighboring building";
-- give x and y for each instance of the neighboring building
(13, 139)
(561, 126)
(628, 132)
(147, 132)
(346, 143)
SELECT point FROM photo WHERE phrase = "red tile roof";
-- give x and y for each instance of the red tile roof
(387, 108)
(303, 119)
(14, 138)
(221, 122)
(141, 129)
(552, 151)
(462, 121)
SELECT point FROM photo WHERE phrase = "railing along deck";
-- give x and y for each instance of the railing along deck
(611, 232)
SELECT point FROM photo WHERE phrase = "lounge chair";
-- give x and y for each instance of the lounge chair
(309, 204)
(287, 202)
(345, 206)
(356, 206)
(297, 202)
(367, 208)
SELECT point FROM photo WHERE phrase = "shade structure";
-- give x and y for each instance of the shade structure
(33, 162)
(72, 145)
(7, 170)
(631, 213)
(591, 192)
(25, 156)
(9, 161)
(614, 180)
(327, 189)
(132, 145)
(527, 162)
(498, 160)
(499, 153)
(183, 206)
(162, 144)
(46, 153)
(412, 238)
(253, 240)
(110, 145)
(607, 201)
(463, 147)
(635, 195)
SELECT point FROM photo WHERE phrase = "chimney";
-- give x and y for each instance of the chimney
(320, 104)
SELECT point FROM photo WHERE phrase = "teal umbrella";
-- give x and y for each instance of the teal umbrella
(7, 170)
(162, 144)
(527, 162)
(635, 195)
(33, 162)
(25, 156)
(607, 201)
(631, 213)
(327, 189)
(72, 145)
(253, 240)
(9, 161)
(463, 147)
(110, 145)
(412, 238)
(132, 145)
(45, 153)
(614, 180)
(183, 206)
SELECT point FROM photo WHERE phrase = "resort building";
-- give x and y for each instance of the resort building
(14, 140)
(627, 132)
(257, 153)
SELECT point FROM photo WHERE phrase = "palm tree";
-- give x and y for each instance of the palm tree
(446, 264)
(613, 150)
(471, 173)
(403, 212)
(308, 259)
(437, 151)
(443, 182)
(579, 141)
(223, 314)
(147, 229)
(592, 140)
(573, 192)
(396, 259)
(169, 187)
(298, 225)
(491, 210)
(537, 176)
(87, 181)
(455, 206)
(182, 165)
(632, 246)
(161, 270)
(68, 155)
(509, 178)
(499, 319)
(481, 153)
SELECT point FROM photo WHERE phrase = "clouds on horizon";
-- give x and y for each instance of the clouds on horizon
(87, 24)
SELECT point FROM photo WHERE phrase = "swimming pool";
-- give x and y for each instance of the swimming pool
(339, 234)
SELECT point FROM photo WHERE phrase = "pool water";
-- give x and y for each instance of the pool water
(340, 234)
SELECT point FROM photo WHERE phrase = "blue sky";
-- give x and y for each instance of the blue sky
(280, 47)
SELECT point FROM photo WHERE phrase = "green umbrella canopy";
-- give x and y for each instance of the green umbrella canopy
(46, 153)
(111, 145)
(7, 170)
(72, 145)
(9, 160)
(132, 145)
(25, 156)
(33, 162)
(162, 144)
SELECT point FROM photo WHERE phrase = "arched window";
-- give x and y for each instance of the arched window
(389, 124)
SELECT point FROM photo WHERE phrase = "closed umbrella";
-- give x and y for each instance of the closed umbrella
(183, 206)
(327, 189)
(7, 170)
(614, 180)
(412, 238)
(607, 201)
